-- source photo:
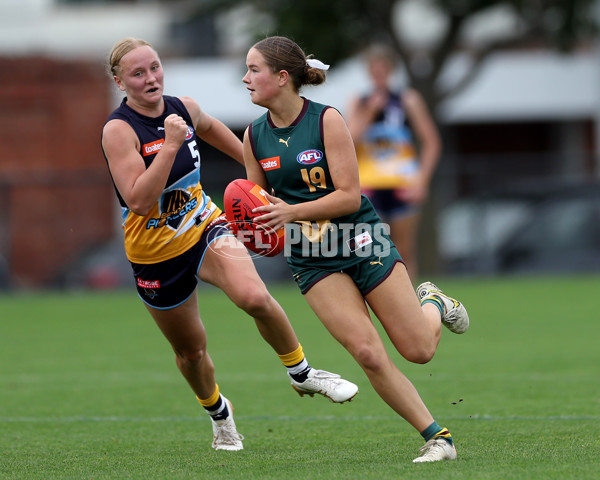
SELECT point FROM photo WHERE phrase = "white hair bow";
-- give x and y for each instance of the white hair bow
(314, 63)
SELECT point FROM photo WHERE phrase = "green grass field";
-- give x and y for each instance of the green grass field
(89, 390)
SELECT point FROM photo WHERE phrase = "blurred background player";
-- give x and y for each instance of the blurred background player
(398, 148)
(175, 234)
(313, 172)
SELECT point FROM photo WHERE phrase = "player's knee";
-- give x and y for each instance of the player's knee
(191, 357)
(370, 359)
(254, 301)
(419, 354)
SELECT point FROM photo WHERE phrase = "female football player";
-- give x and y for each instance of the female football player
(175, 234)
(339, 252)
(398, 149)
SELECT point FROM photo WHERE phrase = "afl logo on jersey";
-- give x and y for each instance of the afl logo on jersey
(190, 133)
(308, 157)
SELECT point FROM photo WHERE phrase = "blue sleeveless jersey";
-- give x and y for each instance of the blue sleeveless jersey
(183, 210)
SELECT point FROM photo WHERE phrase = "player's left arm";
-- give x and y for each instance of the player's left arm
(213, 131)
(427, 136)
(343, 168)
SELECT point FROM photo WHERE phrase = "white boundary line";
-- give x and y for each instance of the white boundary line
(91, 419)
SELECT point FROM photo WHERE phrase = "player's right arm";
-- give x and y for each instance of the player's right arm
(139, 186)
(254, 171)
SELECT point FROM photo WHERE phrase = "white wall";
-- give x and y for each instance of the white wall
(44, 27)
(515, 86)
(511, 87)
(530, 86)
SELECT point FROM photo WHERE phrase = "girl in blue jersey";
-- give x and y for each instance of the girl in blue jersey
(175, 234)
(398, 147)
(303, 151)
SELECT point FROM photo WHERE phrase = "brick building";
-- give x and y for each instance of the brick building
(55, 192)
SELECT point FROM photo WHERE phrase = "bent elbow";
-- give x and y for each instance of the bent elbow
(141, 213)
(140, 209)
(355, 203)
(351, 204)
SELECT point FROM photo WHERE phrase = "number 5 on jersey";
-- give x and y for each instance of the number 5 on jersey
(195, 153)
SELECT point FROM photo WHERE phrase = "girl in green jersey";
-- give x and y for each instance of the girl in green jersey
(303, 153)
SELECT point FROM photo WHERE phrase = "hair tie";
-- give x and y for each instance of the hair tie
(314, 63)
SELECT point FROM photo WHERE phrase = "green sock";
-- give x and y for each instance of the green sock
(434, 430)
(437, 302)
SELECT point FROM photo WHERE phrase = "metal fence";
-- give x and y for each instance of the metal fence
(486, 215)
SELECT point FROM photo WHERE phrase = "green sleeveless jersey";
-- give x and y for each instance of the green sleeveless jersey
(294, 161)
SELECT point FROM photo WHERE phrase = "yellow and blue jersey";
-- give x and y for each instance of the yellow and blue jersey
(386, 155)
(182, 212)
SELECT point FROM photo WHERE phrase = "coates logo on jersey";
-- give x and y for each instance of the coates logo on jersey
(308, 157)
(190, 133)
(152, 147)
(270, 163)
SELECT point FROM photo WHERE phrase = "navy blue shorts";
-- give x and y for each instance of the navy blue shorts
(168, 284)
(388, 206)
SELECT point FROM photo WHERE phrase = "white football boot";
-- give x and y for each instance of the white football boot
(328, 384)
(455, 316)
(225, 434)
(435, 450)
